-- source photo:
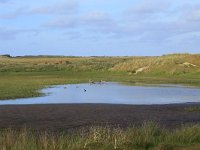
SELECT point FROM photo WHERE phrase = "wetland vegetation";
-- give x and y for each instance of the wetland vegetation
(148, 136)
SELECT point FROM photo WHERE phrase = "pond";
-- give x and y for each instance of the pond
(113, 93)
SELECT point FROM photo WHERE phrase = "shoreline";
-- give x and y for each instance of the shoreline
(65, 117)
(114, 104)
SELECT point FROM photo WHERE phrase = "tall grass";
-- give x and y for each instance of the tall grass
(193, 109)
(163, 65)
(58, 63)
(148, 136)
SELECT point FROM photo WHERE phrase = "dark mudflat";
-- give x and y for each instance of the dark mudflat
(72, 116)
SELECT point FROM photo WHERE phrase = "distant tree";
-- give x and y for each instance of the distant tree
(7, 55)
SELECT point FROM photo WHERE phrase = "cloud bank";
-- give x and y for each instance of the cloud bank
(145, 24)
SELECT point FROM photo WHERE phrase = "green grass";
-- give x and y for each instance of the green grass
(27, 84)
(148, 136)
(193, 109)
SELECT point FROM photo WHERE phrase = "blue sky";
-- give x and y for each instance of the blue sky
(99, 27)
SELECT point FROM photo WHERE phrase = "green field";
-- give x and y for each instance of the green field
(25, 76)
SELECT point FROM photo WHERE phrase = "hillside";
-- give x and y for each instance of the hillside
(176, 64)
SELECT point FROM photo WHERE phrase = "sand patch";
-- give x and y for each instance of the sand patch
(141, 69)
(187, 64)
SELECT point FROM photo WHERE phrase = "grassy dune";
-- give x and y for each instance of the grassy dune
(24, 76)
(177, 64)
(174, 64)
(43, 64)
(148, 136)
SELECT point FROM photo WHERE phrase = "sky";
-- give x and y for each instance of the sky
(99, 27)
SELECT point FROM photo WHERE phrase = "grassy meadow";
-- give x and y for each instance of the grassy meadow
(25, 76)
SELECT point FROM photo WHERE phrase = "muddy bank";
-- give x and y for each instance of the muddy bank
(72, 116)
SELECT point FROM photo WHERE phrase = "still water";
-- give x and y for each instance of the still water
(113, 93)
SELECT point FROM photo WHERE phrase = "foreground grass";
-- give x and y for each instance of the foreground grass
(193, 109)
(148, 136)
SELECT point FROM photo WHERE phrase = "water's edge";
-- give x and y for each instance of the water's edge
(113, 93)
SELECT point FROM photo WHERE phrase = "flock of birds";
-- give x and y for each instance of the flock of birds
(91, 82)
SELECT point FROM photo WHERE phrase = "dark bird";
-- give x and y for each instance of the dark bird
(84, 90)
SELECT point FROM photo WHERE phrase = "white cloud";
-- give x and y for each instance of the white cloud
(97, 19)
(153, 19)
(73, 35)
(59, 8)
(62, 22)
(192, 13)
(65, 7)
(100, 23)
(10, 34)
(4, 1)
(18, 12)
(147, 7)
